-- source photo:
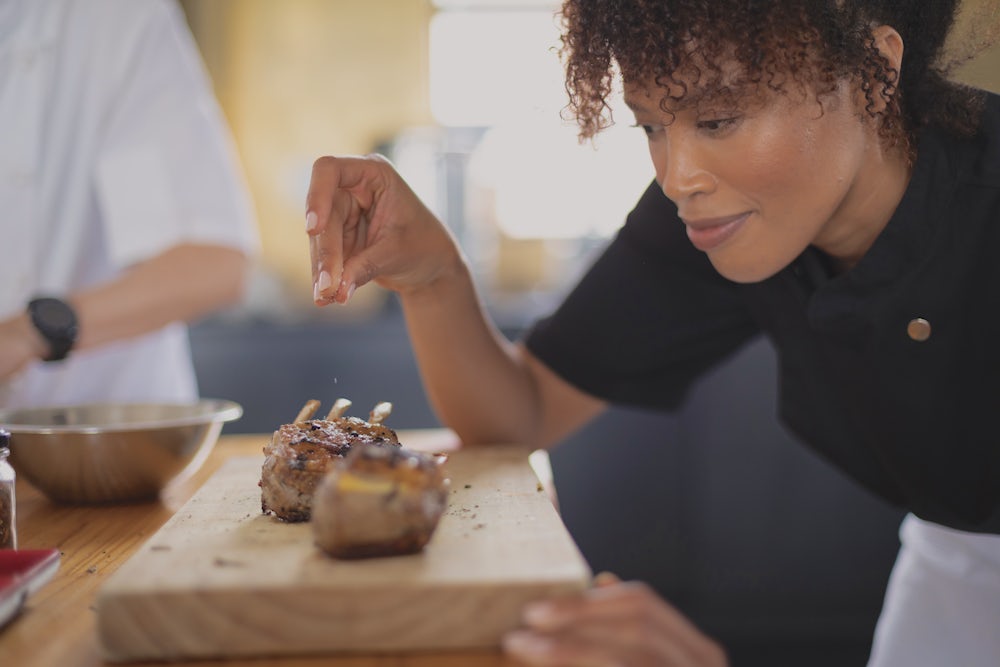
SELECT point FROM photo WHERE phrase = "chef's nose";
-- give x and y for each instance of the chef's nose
(683, 170)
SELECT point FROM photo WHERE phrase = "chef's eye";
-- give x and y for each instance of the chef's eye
(716, 125)
(648, 130)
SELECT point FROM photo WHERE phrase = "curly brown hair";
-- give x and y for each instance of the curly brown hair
(814, 43)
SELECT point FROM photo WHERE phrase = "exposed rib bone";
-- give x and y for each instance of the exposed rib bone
(339, 408)
(308, 410)
(380, 412)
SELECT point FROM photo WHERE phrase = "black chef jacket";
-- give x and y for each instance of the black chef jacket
(915, 421)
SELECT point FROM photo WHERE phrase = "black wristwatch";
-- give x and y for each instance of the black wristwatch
(56, 321)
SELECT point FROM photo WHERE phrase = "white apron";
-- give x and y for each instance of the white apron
(942, 605)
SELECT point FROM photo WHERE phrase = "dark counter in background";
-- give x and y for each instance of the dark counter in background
(767, 548)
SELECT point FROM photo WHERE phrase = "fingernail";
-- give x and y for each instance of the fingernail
(350, 290)
(539, 614)
(315, 291)
(324, 281)
(311, 221)
(526, 644)
(605, 579)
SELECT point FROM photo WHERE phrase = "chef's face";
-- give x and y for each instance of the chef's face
(758, 181)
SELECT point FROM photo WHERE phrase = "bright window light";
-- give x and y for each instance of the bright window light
(487, 65)
(500, 69)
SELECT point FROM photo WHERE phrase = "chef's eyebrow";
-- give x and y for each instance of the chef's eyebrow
(646, 105)
(692, 98)
(636, 106)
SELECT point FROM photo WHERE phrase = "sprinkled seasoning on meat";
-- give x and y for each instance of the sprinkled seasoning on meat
(300, 453)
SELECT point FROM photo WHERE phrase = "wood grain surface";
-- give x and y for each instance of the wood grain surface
(59, 625)
(222, 580)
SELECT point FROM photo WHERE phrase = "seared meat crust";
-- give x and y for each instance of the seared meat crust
(299, 454)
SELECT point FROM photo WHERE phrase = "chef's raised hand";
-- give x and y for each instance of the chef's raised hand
(613, 624)
(364, 224)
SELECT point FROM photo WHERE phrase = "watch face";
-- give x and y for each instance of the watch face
(57, 323)
(55, 313)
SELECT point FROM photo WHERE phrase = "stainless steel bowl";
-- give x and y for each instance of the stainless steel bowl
(114, 452)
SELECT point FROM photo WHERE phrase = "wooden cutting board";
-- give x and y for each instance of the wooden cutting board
(220, 579)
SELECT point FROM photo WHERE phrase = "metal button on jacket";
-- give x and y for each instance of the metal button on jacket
(919, 329)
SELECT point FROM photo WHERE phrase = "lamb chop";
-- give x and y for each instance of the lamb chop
(379, 501)
(300, 454)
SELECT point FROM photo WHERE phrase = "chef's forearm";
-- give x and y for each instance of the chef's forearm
(473, 376)
(481, 385)
(182, 284)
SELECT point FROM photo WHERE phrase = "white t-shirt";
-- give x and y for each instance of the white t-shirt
(112, 150)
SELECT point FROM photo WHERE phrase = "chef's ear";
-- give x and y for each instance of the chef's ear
(890, 45)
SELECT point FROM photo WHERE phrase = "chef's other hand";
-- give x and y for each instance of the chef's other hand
(365, 223)
(613, 624)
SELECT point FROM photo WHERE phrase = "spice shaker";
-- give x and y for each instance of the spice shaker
(8, 524)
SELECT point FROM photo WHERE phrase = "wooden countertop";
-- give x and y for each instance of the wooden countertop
(58, 624)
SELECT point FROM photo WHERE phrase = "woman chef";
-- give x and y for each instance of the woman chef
(818, 179)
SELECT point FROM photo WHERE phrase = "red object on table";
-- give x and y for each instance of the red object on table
(22, 572)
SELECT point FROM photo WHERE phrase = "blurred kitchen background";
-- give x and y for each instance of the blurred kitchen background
(765, 547)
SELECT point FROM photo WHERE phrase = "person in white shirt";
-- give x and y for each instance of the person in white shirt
(123, 211)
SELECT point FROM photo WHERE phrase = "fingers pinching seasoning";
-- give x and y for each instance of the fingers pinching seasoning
(365, 224)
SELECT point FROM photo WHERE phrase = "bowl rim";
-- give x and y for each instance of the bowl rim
(220, 410)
